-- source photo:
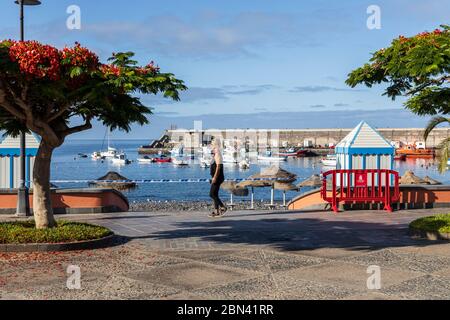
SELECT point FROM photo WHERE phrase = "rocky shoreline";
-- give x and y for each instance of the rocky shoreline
(180, 206)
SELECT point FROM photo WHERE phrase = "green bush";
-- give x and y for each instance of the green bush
(439, 223)
(25, 232)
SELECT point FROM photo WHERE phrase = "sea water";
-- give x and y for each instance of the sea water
(67, 165)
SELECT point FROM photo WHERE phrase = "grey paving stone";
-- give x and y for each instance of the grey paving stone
(189, 276)
(255, 288)
(425, 287)
(342, 274)
(310, 290)
(405, 261)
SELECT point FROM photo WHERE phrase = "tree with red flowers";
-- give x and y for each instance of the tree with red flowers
(42, 89)
(417, 68)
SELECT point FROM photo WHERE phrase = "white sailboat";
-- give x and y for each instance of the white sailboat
(109, 153)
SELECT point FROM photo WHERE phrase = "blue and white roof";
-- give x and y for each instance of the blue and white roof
(364, 140)
(10, 146)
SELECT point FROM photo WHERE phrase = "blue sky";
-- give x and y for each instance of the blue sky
(244, 58)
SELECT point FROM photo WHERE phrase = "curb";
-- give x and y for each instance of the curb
(430, 235)
(69, 246)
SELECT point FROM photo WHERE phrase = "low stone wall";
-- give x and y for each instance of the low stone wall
(72, 201)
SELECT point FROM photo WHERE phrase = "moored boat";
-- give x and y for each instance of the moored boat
(329, 161)
(292, 153)
(121, 159)
(96, 155)
(145, 159)
(412, 151)
(244, 165)
(179, 162)
(163, 159)
(270, 158)
(400, 157)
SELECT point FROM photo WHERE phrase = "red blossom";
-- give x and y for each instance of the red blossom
(109, 69)
(79, 56)
(35, 59)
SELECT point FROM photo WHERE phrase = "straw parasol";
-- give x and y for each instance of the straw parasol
(431, 181)
(289, 186)
(234, 190)
(273, 174)
(410, 178)
(313, 181)
(107, 181)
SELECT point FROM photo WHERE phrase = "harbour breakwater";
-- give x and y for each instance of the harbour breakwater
(261, 139)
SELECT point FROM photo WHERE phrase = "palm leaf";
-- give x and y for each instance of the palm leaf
(444, 146)
(434, 122)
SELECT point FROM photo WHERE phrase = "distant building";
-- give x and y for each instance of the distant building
(10, 160)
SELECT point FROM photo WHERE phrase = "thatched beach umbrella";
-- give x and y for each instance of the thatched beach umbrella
(431, 181)
(234, 190)
(272, 174)
(313, 181)
(285, 187)
(410, 178)
(114, 180)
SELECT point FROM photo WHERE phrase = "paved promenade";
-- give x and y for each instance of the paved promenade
(245, 255)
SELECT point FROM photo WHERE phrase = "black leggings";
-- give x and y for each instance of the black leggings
(214, 194)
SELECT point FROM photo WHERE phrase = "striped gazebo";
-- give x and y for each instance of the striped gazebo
(364, 148)
(10, 160)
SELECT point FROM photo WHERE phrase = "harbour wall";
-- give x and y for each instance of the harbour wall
(262, 138)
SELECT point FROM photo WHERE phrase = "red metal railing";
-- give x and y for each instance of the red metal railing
(361, 186)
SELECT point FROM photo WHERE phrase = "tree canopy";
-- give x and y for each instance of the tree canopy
(42, 88)
(416, 67)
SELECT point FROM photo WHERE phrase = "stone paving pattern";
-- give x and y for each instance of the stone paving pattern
(245, 255)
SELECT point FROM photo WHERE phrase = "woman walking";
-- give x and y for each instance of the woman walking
(217, 179)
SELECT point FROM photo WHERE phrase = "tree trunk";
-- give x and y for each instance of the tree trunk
(42, 204)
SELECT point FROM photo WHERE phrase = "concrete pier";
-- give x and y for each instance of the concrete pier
(261, 138)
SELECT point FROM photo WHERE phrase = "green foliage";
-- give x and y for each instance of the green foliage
(417, 68)
(66, 231)
(438, 223)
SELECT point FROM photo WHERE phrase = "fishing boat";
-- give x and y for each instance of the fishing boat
(179, 162)
(163, 159)
(121, 159)
(292, 153)
(270, 158)
(82, 155)
(411, 151)
(400, 157)
(145, 159)
(329, 161)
